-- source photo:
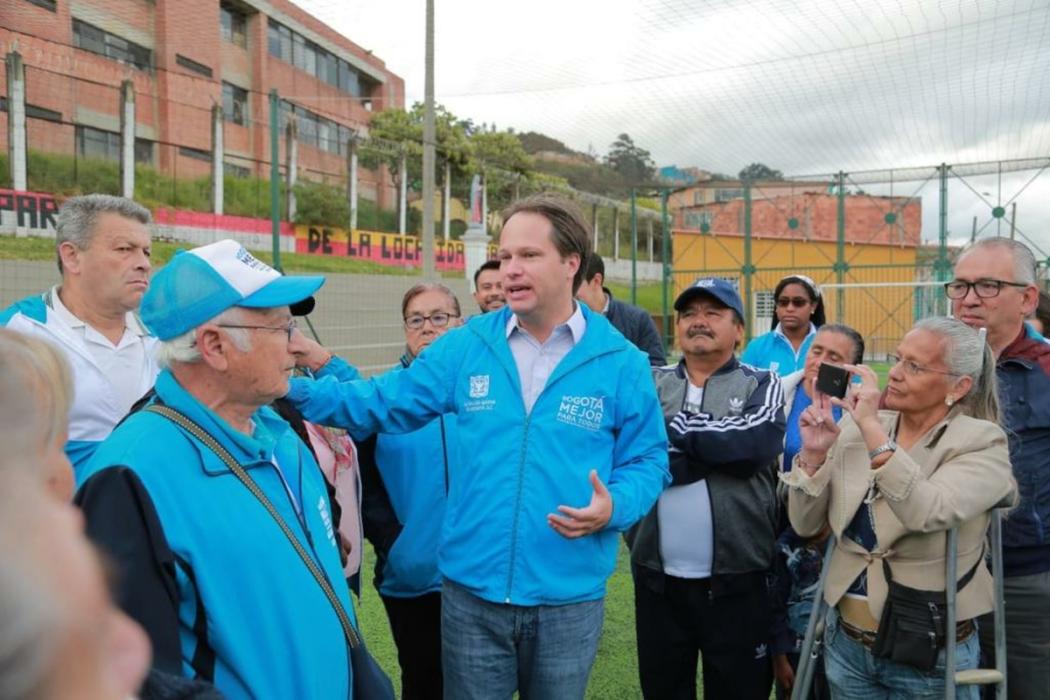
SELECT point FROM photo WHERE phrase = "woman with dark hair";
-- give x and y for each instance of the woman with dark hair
(799, 313)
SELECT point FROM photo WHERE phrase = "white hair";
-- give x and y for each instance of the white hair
(183, 348)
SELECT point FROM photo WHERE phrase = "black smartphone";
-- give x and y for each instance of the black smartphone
(832, 380)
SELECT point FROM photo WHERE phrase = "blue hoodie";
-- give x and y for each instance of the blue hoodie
(598, 411)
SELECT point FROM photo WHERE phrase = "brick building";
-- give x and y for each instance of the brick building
(183, 57)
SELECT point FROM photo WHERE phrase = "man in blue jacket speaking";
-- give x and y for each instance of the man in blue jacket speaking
(563, 447)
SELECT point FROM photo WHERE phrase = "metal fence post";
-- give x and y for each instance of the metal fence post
(634, 248)
(666, 261)
(275, 181)
(840, 250)
(942, 265)
(748, 268)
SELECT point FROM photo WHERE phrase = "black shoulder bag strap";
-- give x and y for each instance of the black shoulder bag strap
(201, 434)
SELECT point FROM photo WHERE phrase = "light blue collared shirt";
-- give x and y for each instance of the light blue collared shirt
(536, 360)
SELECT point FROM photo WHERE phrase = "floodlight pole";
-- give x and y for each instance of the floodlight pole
(428, 150)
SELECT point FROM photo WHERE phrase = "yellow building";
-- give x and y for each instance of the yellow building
(883, 284)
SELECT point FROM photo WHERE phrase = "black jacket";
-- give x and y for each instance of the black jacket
(734, 443)
(637, 326)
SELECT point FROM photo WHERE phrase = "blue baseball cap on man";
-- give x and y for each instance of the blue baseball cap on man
(721, 290)
(199, 284)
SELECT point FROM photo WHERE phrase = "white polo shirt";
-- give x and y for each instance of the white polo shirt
(123, 363)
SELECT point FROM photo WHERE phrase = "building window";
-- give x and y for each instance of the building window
(35, 112)
(95, 40)
(95, 143)
(144, 151)
(308, 57)
(46, 4)
(234, 104)
(315, 130)
(726, 195)
(105, 145)
(195, 153)
(233, 26)
(238, 171)
(193, 65)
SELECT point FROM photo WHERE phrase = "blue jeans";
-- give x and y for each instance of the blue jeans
(489, 650)
(853, 673)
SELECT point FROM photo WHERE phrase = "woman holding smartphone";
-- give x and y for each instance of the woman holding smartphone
(889, 484)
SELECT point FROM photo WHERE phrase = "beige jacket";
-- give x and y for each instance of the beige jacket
(952, 477)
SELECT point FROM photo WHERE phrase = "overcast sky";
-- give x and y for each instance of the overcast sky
(806, 86)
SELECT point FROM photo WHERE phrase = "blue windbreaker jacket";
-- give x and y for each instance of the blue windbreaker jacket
(246, 613)
(598, 410)
(415, 468)
(773, 351)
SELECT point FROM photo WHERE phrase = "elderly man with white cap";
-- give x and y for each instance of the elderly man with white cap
(214, 510)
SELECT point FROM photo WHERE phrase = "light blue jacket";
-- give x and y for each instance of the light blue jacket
(598, 411)
(416, 469)
(773, 351)
(239, 586)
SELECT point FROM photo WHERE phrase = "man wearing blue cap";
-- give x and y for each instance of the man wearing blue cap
(219, 579)
(701, 556)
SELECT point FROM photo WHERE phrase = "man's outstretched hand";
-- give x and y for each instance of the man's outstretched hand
(577, 522)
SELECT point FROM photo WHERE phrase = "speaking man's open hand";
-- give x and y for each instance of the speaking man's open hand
(577, 522)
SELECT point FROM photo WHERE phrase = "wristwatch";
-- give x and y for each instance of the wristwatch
(888, 446)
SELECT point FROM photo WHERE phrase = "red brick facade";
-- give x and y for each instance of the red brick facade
(173, 102)
(815, 216)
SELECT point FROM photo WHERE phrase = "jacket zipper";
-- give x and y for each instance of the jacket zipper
(517, 505)
(444, 451)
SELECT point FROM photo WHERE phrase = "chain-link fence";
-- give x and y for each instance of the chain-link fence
(881, 244)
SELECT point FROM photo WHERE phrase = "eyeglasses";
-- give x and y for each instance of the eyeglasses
(799, 302)
(289, 329)
(984, 289)
(438, 320)
(914, 368)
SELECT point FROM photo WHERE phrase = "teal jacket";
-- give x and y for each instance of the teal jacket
(773, 351)
(598, 411)
(413, 469)
(204, 568)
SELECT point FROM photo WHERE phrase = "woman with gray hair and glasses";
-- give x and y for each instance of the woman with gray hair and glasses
(890, 484)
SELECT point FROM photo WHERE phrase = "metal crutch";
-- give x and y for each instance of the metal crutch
(811, 645)
(977, 676)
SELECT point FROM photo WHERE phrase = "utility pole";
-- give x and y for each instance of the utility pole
(428, 150)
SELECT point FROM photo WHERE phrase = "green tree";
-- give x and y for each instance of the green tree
(390, 132)
(453, 145)
(503, 163)
(760, 171)
(633, 162)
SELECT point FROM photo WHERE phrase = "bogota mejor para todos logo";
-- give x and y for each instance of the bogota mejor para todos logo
(582, 411)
